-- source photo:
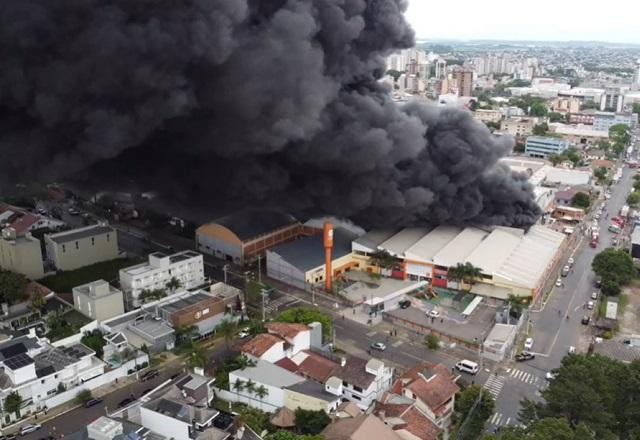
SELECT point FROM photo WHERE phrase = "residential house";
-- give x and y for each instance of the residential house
(359, 380)
(594, 154)
(361, 427)
(142, 328)
(186, 266)
(564, 197)
(420, 402)
(310, 395)
(69, 250)
(37, 370)
(98, 300)
(21, 254)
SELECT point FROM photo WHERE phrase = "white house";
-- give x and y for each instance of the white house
(39, 371)
(187, 267)
(360, 381)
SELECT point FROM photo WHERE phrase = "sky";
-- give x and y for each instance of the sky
(544, 20)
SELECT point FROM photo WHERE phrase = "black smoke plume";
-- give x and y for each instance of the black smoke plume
(243, 102)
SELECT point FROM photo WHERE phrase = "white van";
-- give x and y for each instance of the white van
(467, 366)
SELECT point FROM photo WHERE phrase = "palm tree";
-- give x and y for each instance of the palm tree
(12, 403)
(38, 301)
(456, 273)
(227, 328)
(173, 284)
(238, 386)
(197, 357)
(261, 392)
(383, 259)
(186, 333)
(250, 386)
(471, 274)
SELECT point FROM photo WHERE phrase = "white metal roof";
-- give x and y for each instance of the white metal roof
(457, 250)
(494, 250)
(429, 245)
(403, 240)
(530, 259)
(370, 241)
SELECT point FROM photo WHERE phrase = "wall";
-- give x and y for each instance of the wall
(294, 400)
(279, 269)
(22, 256)
(83, 252)
(169, 427)
(75, 338)
(220, 242)
(271, 402)
(101, 308)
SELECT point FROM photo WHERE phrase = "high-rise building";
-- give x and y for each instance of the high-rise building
(463, 80)
(613, 98)
(637, 77)
(441, 68)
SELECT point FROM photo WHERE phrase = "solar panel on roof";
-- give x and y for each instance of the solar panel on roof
(18, 361)
(13, 350)
(45, 371)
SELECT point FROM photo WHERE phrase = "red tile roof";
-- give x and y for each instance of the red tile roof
(287, 364)
(314, 366)
(432, 384)
(260, 344)
(415, 422)
(286, 330)
(21, 220)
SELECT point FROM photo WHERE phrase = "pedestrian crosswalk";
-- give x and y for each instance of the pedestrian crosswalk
(523, 376)
(494, 385)
(278, 303)
(499, 419)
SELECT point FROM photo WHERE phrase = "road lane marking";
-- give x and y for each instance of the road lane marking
(494, 385)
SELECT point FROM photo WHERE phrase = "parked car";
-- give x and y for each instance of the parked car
(524, 356)
(585, 320)
(572, 349)
(433, 313)
(590, 305)
(550, 375)
(244, 333)
(405, 304)
(570, 261)
(467, 366)
(26, 429)
(8, 437)
(559, 282)
(594, 295)
(92, 402)
(378, 346)
(149, 375)
(126, 401)
(528, 343)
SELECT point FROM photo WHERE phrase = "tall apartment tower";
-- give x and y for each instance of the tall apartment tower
(463, 80)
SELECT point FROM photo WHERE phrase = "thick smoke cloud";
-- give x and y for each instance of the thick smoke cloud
(236, 102)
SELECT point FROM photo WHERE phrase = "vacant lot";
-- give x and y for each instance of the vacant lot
(629, 322)
(107, 270)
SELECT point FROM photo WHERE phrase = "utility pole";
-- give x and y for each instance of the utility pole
(259, 269)
(262, 293)
(224, 270)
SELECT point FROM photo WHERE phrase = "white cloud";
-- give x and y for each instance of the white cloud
(615, 20)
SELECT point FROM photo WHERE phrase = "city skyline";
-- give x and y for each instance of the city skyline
(491, 21)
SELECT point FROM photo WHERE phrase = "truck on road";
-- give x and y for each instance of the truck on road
(595, 238)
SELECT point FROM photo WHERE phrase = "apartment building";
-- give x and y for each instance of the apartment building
(21, 254)
(539, 146)
(186, 266)
(69, 250)
(603, 121)
(518, 126)
(98, 300)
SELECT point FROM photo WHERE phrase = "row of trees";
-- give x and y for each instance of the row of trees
(148, 295)
(466, 273)
(633, 199)
(570, 154)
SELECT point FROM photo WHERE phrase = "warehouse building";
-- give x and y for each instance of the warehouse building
(302, 262)
(80, 247)
(241, 237)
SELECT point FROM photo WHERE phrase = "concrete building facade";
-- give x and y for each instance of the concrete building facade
(538, 146)
(98, 300)
(186, 266)
(21, 254)
(603, 121)
(69, 250)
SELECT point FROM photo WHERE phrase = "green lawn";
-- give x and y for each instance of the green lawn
(107, 270)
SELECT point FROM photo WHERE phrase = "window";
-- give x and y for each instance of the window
(77, 246)
(107, 237)
(355, 397)
(64, 248)
(93, 241)
(344, 383)
(358, 389)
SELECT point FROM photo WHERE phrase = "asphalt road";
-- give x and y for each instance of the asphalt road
(553, 334)
(76, 419)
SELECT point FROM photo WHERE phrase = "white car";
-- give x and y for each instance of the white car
(550, 375)
(26, 429)
(570, 261)
(378, 346)
(559, 282)
(590, 305)
(528, 344)
(433, 313)
(594, 295)
(572, 349)
(244, 333)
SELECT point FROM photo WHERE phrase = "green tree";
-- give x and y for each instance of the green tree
(173, 284)
(12, 403)
(253, 418)
(197, 356)
(601, 174)
(311, 422)
(12, 287)
(614, 264)
(186, 333)
(572, 155)
(636, 107)
(472, 412)
(95, 341)
(538, 109)
(394, 73)
(555, 117)
(83, 397)
(555, 159)
(38, 301)
(610, 287)
(581, 200)
(306, 315)
(620, 136)
(238, 386)
(261, 392)
(633, 199)
(471, 274)
(432, 342)
(227, 329)
(540, 129)
(456, 273)
(383, 259)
